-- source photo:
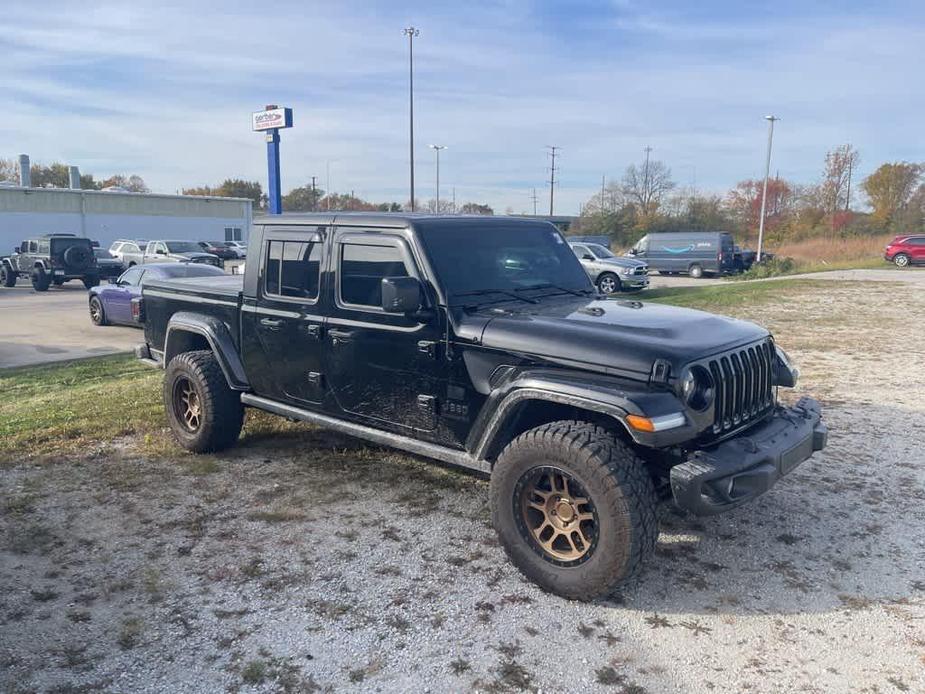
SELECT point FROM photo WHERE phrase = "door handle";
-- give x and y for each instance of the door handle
(270, 323)
(339, 335)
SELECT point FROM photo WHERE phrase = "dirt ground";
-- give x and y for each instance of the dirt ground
(328, 565)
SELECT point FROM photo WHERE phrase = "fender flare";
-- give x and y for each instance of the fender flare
(217, 334)
(601, 397)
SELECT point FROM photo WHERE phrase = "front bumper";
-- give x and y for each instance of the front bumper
(631, 282)
(742, 468)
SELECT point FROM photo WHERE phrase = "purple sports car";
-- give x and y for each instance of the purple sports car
(112, 303)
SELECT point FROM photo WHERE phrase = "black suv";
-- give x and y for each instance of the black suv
(51, 259)
(481, 342)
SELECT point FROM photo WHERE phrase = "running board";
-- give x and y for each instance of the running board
(385, 438)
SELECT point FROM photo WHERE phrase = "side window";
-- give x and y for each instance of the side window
(362, 268)
(293, 269)
(33, 246)
(580, 251)
(132, 276)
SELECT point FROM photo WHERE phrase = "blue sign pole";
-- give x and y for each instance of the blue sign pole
(274, 192)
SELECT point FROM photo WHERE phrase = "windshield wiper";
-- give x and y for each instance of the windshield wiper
(546, 285)
(483, 292)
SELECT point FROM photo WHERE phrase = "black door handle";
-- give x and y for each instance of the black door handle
(340, 334)
(270, 323)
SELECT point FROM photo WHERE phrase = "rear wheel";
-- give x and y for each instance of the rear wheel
(91, 282)
(203, 412)
(40, 280)
(97, 314)
(574, 508)
(695, 271)
(608, 283)
(901, 260)
(7, 276)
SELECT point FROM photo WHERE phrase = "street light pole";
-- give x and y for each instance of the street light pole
(411, 33)
(437, 149)
(764, 191)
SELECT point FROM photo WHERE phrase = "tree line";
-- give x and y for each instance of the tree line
(647, 199)
(57, 175)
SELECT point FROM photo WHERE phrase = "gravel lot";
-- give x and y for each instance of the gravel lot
(317, 563)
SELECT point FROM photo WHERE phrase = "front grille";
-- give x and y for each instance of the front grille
(641, 270)
(742, 379)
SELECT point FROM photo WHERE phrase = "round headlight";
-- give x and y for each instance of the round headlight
(697, 388)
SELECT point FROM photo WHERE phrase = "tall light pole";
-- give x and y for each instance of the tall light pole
(437, 149)
(764, 191)
(411, 33)
(552, 175)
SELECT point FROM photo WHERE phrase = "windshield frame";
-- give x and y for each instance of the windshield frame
(570, 276)
(595, 249)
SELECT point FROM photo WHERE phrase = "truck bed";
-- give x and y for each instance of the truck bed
(218, 297)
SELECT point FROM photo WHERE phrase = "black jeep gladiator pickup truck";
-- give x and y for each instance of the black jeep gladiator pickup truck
(481, 342)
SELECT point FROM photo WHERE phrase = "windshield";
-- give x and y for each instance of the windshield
(502, 257)
(102, 254)
(183, 247)
(599, 251)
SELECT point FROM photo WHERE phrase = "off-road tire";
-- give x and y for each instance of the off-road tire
(609, 279)
(7, 276)
(97, 313)
(40, 280)
(617, 483)
(222, 411)
(901, 260)
(90, 282)
(695, 271)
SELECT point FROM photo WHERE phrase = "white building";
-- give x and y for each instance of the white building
(107, 216)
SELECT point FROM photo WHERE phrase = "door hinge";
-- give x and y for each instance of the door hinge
(315, 378)
(428, 347)
(314, 331)
(428, 403)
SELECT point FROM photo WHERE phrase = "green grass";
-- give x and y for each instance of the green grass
(720, 298)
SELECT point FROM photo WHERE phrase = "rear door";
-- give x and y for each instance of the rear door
(384, 368)
(287, 315)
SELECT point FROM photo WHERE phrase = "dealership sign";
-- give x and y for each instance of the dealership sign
(272, 118)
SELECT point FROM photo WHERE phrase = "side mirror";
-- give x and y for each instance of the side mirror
(402, 294)
(587, 256)
(633, 251)
(160, 251)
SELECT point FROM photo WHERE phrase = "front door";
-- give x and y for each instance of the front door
(383, 367)
(287, 316)
(119, 297)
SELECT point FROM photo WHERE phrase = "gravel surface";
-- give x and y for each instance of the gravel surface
(319, 564)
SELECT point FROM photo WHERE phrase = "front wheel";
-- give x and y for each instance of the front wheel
(901, 260)
(608, 283)
(97, 314)
(574, 508)
(7, 276)
(203, 412)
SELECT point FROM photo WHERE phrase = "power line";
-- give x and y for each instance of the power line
(535, 200)
(552, 176)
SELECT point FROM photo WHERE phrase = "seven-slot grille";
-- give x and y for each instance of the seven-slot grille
(641, 270)
(742, 379)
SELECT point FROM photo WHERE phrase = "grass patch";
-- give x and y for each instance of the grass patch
(719, 298)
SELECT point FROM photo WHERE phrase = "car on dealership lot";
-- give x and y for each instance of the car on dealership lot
(110, 266)
(218, 248)
(170, 252)
(51, 259)
(112, 303)
(481, 342)
(696, 253)
(121, 246)
(906, 250)
(609, 272)
(238, 247)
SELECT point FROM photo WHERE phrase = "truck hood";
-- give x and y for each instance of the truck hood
(620, 262)
(192, 255)
(610, 335)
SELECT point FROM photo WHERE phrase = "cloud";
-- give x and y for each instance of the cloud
(166, 89)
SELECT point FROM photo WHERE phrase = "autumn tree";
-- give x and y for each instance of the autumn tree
(133, 183)
(476, 208)
(9, 171)
(889, 189)
(645, 185)
(302, 199)
(232, 188)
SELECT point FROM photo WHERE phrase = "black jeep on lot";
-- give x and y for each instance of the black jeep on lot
(482, 343)
(51, 259)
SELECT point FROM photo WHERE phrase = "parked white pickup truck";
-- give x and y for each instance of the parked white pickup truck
(170, 251)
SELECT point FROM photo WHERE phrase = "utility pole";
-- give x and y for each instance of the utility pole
(848, 193)
(764, 192)
(645, 183)
(534, 199)
(437, 149)
(411, 33)
(603, 179)
(552, 176)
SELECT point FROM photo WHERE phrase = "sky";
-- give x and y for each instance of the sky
(166, 90)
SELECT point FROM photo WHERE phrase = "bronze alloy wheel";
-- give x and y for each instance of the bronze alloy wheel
(187, 404)
(556, 516)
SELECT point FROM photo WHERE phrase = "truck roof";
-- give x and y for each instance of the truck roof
(385, 219)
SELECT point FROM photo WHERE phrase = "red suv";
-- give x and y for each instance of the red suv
(906, 250)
